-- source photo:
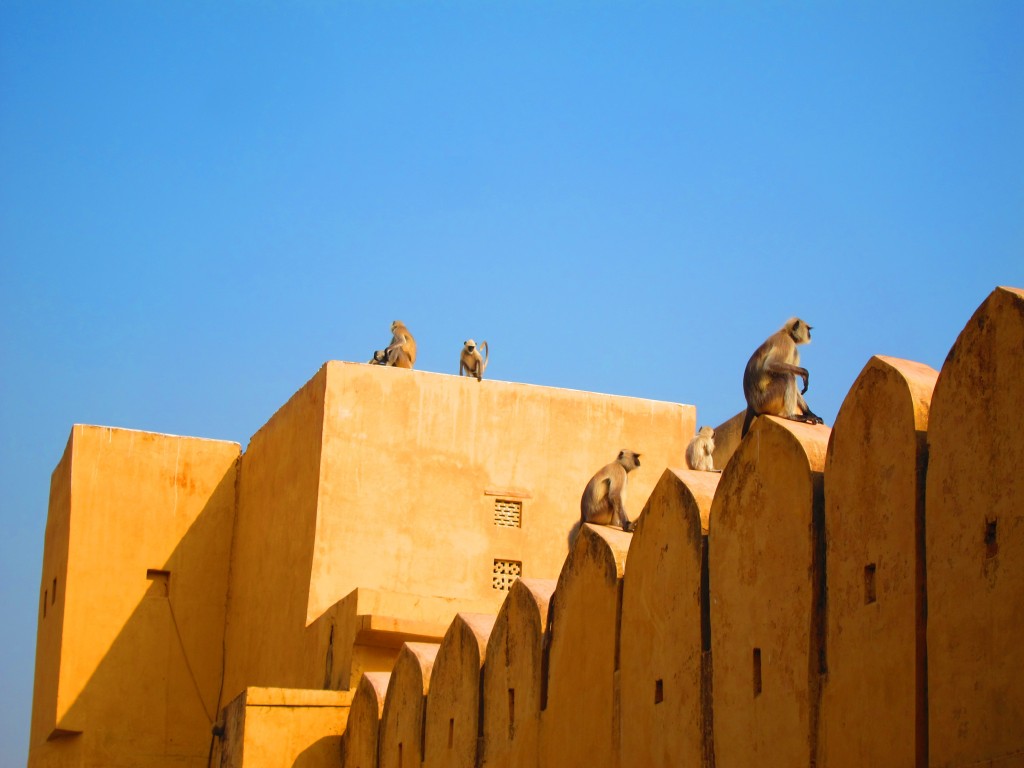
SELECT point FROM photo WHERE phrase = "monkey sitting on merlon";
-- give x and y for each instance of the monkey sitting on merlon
(604, 498)
(769, 380)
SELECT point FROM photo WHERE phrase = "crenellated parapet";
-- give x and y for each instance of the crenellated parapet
(836, 597)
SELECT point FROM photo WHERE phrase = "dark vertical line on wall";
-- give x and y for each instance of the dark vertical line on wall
(921, 608)
(219, 726)
(817, 661)
(423, 728)
(707, 717)
(545, 656)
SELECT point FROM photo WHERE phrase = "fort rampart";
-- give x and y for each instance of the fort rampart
(851, 596)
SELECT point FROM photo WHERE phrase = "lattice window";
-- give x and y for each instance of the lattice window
(508, 513)
(505, 572)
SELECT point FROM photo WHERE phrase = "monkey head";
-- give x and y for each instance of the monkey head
(706, 432)
(798, 330)
(629, 460)
(470, 345)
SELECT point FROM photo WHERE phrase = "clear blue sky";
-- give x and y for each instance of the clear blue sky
(200, 203)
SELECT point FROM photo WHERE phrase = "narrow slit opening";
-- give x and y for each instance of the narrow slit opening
(511, 713)
(451, 732)
(991, 543)
(659, 691)
(757, 671)
(869, 584)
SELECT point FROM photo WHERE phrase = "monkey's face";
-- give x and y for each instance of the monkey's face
(800, 331)
(470, 345)
(629, 459)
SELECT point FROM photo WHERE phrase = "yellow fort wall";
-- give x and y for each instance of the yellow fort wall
(134, 577)
(835, 597)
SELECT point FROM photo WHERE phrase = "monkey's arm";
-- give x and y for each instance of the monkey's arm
(773, 366)
(619, 509)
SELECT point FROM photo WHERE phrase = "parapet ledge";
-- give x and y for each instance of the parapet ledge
(256, 696)
(392, 631)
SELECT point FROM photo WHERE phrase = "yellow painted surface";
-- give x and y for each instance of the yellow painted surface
(873, 704)
(369, 472)
(359, 745)
(401, 722)
(277, 508)
(417, 460)
(578, 725)
(766, 573)
(975, 542)
(727, 439)
(453, 706)
(275, 727)
(664, 707)
(512, 676)
(129, 654)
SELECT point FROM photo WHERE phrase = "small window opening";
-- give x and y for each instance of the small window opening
(161, 586)
(399, 754)
(505, 573)
(53, 594)
(757, 671)
(451, 732)
(659, 691)
(508, 513)
(869, 584)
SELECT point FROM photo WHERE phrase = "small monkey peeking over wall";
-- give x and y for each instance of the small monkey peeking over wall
(769, 381)
(604, 498)
(700, 451)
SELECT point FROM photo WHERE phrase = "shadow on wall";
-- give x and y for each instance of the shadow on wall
(325, 751)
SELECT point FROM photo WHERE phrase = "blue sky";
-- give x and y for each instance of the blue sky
(200, 203)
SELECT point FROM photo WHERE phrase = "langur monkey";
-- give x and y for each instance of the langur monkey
(699, 453)
(769, 381)
(401, 352)
(604, 498)
(470, 361)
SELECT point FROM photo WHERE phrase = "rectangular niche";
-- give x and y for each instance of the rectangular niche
(508, 513)
(506, 572)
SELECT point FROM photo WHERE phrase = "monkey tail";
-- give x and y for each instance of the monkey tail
(746, 422)
(487, 354)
